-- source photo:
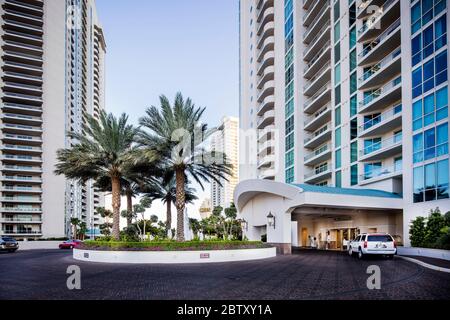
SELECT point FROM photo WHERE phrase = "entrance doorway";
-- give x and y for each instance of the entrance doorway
(343, 236)
(305, 237)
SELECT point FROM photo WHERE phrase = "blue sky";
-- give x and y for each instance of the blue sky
(163, 46)
(159, 47)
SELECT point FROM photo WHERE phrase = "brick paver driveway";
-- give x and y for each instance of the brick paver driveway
(307, 275)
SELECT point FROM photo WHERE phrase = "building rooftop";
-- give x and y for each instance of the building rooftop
(348, 191)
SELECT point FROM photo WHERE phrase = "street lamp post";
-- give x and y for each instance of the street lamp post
(271, 220)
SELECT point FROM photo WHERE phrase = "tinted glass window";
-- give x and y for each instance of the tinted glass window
(380, 238)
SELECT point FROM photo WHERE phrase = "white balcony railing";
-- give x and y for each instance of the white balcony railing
(375, 43)
(385, 116)
(377, 67)
(382, 145)
(379, 92)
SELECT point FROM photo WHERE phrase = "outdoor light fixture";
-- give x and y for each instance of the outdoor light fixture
(244, 225)
(271, 220)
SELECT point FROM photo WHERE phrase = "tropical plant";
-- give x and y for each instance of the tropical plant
(75, 222)
(165, 190)
(177, 135)
(417, 232)
(106, 149)
(431, 232)
(435, 224)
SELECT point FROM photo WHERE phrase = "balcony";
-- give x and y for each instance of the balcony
(382, 97)
(322, 57)
(24, 88)
(27, 6)
(20, 129)
(380, 174)
(266, 46)
(265, 147)
(320, 98)
(23, 25)
(319, 41)
(23, 67)
(267, 133)
(21, 233)
(307, 4)
(387, 68)
(266, 161)
(24, 57)
(267, 119)
(21, 97)
(21, 199)
(265, 16)
(20, 148)
(20, 179)
(319, 119)
(319, 174)
(268, 60)
(318, 138)
(267, 104)
(381, 46)
(322, 20)
(7, 138)
(21, 220)
(318, 156)
(362, 7)
(20, 210)
(266, 90)
(15, 168)
(322, 77)
(21, 190)
(267, 31)
(268, 75)
(25, 17)
(380, 19)
(384, 123)
(267, 174)
(14, 76)
(382, 150)
(316, 10)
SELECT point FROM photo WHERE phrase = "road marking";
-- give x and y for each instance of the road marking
(426, 265)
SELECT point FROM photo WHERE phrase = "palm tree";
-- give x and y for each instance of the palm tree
(106, 149)
(176, 134)
(165, 190)
(75, 222)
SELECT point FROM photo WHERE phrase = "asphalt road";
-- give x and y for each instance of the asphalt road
(307, 275)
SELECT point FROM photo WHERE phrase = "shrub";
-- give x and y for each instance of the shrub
(417, 232)
(431, 232)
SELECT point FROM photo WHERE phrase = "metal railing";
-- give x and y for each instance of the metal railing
(380, 38)
(374, 19)
(317, 56)
(318, 114)
(319, 151)
(382, 171)
(317, 94)
(318, 74)
(383, 144)
(379, 92)
(314, 40)
(377, 67)
(387, 115)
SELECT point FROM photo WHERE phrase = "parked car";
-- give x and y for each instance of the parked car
(70, 244)
(8, 244)
(373, 244)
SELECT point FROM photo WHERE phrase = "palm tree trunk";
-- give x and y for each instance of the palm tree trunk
(180, 204)
(115, 181)
(129, 206)
(169, 214)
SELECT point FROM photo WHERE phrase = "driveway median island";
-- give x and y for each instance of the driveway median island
(173, 252)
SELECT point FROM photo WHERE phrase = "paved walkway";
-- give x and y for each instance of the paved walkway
(308, 275)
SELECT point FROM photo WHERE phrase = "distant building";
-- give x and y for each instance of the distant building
(205, 209)
(226, 140)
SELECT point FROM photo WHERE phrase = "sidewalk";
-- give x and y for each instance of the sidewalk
(433, 261)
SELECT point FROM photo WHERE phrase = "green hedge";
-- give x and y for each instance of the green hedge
(173, 245)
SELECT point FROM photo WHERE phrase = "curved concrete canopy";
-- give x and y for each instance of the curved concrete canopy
(248, 189)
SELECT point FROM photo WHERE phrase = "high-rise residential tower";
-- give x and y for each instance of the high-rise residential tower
(226, 141)
(348, 94)
(52, 77)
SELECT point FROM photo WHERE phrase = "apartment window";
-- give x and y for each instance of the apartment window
(372, 145)
(289, 108)
(289, 40)
(338, 178)
(290, 175)
(337, 116)
(337, 74)
(337, 32)
(289, 142)
(424, 11)
(353, 83)
(353, 62)
(352, 15)
(289, 58)
(289, 125)
(289, 75)
(430, 144)
(337, 140)
(337, 52)
(431, 182)
(354, 175)
(289, 160)
(353, 106)
(372, 170)
(337, 95)
(289, 91)
(337, 10)
(354, 152)
(398, 164)
(352, 38)
(338, 155)
(432, 74)
(353, 128)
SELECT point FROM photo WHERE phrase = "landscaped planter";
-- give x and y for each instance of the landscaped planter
(173, 257)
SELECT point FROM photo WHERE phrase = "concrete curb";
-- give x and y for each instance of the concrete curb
(425, 265)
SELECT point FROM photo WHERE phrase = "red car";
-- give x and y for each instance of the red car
(70, 244)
